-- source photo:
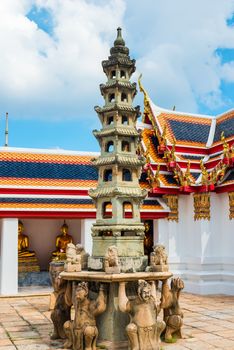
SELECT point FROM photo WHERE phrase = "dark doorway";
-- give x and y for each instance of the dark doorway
(149, 237)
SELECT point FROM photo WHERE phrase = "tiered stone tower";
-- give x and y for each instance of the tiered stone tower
(118, 194)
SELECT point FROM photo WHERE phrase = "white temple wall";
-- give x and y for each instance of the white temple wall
(86, 237)
(201, 251)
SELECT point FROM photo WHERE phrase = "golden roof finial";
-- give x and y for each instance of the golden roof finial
(142, 89)
(173, 149)
(225, 145)
(204, 172)
(156, 176)
(146, 97)
(188, 173)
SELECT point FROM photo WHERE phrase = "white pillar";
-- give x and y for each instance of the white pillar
(86, 237)
(9, 257)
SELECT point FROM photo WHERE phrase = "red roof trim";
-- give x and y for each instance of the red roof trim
(42, 191)
(190, 149)
(163, 190)
(70, 215)
(47, 214)
(225, 188)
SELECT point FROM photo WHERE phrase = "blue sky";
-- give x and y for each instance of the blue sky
(51, 53)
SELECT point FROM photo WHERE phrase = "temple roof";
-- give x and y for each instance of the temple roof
(53, 183)
(186, 150)
(186, 129)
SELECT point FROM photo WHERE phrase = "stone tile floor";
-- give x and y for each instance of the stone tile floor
(208, 323)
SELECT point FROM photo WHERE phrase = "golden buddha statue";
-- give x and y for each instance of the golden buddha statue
(62, 241)
(23, 242)
(27, 260)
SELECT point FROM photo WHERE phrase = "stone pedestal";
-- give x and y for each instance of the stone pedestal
(112, 323)
(54, 270)
(110, 334)
(28, 264)
(41, 278)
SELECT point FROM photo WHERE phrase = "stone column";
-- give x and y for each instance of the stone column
(86, 238)
(9, 256)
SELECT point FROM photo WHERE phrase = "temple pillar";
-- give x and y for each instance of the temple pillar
(86, 238)
(9, 256)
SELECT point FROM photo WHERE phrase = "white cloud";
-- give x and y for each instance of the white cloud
(176, 53)
(57, 76)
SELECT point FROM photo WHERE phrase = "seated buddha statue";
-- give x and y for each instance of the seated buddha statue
(23, 242)
(62, 241)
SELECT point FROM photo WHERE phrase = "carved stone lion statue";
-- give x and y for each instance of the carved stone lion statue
(73, 261)
(158, 259)
(111, 261)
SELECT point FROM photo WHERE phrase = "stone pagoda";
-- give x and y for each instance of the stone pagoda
(118, 194)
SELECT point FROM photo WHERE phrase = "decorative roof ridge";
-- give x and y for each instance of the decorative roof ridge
(47, 151)
(160, 110)
(224, 113)
(210, 139)
(142, 126)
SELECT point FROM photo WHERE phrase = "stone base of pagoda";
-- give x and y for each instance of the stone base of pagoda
(127, 263)
(101, 229)
(128, 246)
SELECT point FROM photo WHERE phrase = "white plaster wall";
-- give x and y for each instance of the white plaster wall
(86, 237)
(179, 238)
(226, 228)
(201, 252)
(42, 235)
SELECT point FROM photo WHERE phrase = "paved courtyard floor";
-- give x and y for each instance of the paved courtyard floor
(208, 323)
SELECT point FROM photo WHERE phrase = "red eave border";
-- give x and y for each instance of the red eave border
(43, 191)
(225, 188)
(70, 215)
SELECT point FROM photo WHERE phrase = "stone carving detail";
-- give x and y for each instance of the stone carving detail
(111, 261)
(73, 262)
(158, 259)
(82, 333)
(144, 330)
(173, 315)
(62, 308)
(54, 271)
(84, 256)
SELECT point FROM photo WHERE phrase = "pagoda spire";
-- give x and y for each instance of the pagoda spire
(118, 194)
(119, 47)
(119, 40)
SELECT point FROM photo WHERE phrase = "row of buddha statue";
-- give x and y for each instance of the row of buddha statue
(27, 260)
